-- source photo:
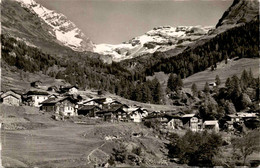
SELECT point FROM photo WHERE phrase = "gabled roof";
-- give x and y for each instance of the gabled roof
(11, 92)
(10, 95)
(98, 100)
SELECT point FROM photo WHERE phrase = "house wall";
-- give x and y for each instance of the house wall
(10, 100)
(37, 99)
(67, 108)
(136, 117)
(73, 90)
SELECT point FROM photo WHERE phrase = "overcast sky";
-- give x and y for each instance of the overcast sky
(116, 21)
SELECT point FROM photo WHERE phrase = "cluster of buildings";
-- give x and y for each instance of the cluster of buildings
(67, 101)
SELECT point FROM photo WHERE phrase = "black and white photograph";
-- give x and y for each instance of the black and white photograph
(130, 83)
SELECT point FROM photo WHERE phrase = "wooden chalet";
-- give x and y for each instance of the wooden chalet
(34, 98)
(88, 110)
(65, 106)
(97, 102)
(36, 84)
(114, 114)
(11, 98)
(69, 89)
(192, 122)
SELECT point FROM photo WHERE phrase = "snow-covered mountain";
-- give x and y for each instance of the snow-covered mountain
(61, 28)
(162, 38)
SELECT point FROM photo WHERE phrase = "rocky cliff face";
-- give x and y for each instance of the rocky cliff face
(240, 12)
(61, 28)
(162, 38)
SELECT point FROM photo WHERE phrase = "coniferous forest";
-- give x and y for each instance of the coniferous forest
(87, 72)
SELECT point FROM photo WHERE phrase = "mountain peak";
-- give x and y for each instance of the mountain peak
(161, 38)
(241, 11)
(63, 29)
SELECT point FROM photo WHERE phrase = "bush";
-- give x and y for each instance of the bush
(196, 149)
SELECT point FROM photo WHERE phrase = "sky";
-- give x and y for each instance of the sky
(116, 21)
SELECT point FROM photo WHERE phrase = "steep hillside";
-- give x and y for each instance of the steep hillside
(20, 18)
(240, 12)
(161, 39)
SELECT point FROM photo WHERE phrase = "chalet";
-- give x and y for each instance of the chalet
(175, 121)
(64, 106)
(34, 98)
(36, 84)
(88, 110)
(69, 89)
(111, 102)
(211, 125)
(97, 102)
(115, 113)
(241, 117)
(212, 84)
(11, 98)
(137, 115)
(192, 121)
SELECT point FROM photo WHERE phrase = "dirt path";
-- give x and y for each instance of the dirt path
(94, 150)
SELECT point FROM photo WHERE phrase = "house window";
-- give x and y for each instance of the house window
(37, 97)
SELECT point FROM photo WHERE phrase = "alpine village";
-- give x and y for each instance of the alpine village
(191, 102)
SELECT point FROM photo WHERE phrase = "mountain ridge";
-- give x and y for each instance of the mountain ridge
(162, 38)
(62, 29)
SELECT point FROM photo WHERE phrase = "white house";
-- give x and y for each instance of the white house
(34, 98)
(137, 114)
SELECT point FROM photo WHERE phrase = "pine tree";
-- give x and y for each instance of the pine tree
(170, 83)
(217, 80)
(206, 87)
(194, 90)
(244, 80)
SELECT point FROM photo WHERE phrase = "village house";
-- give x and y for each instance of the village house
(137, 115)
(240, 117)
(34, 98)
(88, 110)
(192, 122)
(175, 121)
(211, 125)
(36, 84)
(11, 98)
(64, 106)
(69, 89)
(97, 102)
(113, 114)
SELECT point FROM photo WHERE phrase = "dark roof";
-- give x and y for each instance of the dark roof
(98, 100)
(56, 100)
(88, 107)
(34, 92)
